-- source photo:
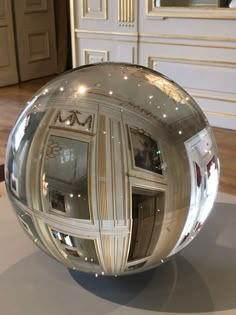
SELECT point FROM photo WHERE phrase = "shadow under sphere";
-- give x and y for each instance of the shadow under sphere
(201, 279)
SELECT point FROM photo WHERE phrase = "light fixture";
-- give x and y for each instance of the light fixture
(82, 89)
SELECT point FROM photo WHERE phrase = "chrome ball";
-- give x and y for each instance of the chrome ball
(112, 168)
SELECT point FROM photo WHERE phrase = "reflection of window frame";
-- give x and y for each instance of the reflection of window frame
(135, 264)
(15, 189)
(62, 248)
(25, 225)
(192, 12)
(77, 136)
(192, 4)
(142, 172)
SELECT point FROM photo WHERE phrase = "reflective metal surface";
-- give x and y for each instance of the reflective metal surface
(112, 168)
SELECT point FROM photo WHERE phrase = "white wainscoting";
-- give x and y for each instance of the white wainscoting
(195, 47)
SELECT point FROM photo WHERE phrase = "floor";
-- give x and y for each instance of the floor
(201, 280)
(13, 99)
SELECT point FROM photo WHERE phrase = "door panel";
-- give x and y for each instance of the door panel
(36, 39)
(8, 71)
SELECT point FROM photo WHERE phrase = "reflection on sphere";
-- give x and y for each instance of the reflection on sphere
(112, 168)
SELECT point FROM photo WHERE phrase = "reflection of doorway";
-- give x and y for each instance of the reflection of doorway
(147, 215)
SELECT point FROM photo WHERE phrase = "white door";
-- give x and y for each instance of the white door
(8, 70)
(35, 38)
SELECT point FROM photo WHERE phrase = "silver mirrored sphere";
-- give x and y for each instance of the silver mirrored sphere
(112, 168)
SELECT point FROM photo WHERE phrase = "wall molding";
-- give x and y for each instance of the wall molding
(94, 56)
(213, 95)
(153, 60)
(100, 13)
(219, 113)
(126, 12)
(189, 37)
(141, 37)
(105, 32)
(184, 44)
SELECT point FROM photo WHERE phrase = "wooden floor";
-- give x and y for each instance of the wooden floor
(13, 99)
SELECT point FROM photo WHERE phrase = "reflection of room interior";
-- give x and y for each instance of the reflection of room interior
(80, 181)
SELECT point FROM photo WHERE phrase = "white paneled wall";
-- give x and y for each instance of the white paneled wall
(196, 47)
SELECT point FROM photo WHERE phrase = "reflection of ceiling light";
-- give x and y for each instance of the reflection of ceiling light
(180, 132)
(110, 92)
(164, 115)
(125, 77)
(102, 272)
(61, 89)
(176, 108)
(96, 275)
(82, 89)
(151, 96)
(79, 195)
(71, 195)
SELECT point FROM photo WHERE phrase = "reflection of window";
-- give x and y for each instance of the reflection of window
(14, 185)
(77, 247)
(198, 175)
(210, 189)
(65, 172)
(147, 154)
(147, 215)
(190, 3)
(57, 201)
